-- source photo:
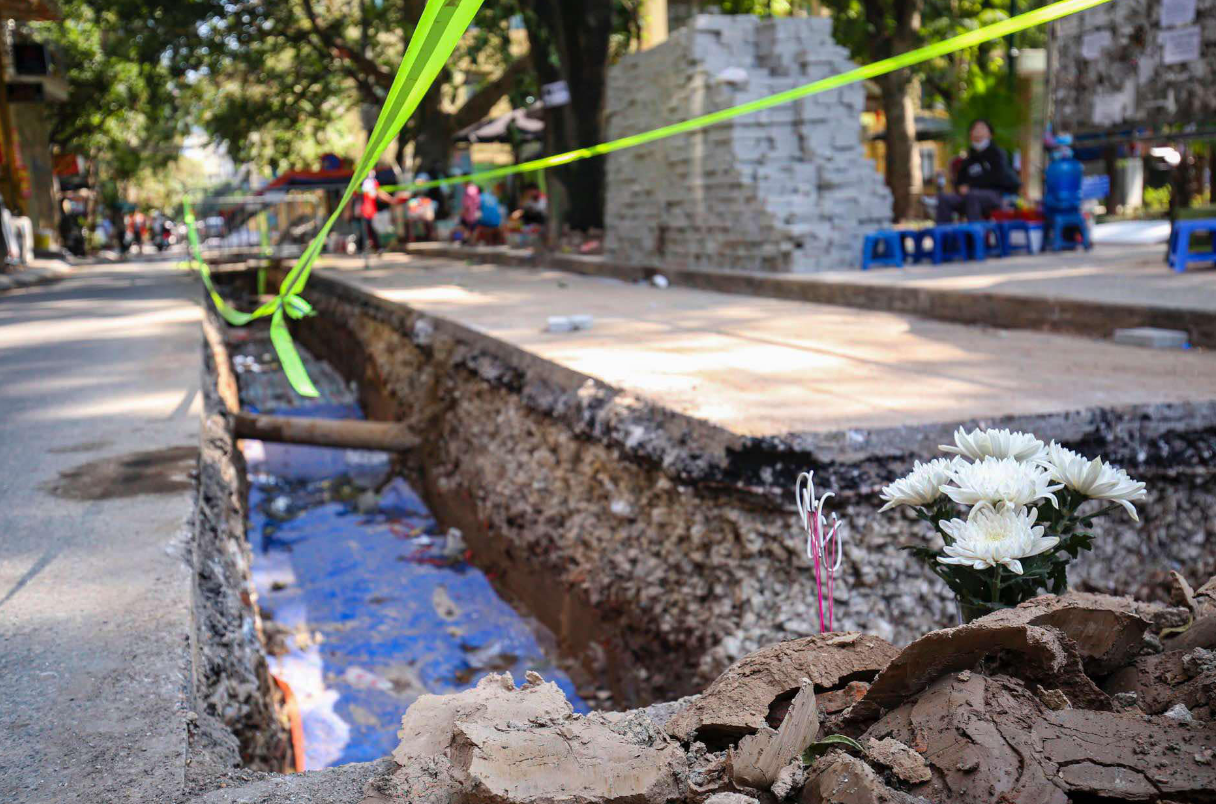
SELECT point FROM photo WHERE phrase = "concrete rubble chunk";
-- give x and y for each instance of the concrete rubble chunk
(1165, 679)
(1205, 598)
(838, 778)
(429, 724)
(738, 701)
(1028, 651)
(789, 780)
(1201, 634)
(1151, 337)
(574, 761)
(730, 798)
(905, 763)
(1107, 630)
(496, 744)
(1181, 593)
(992, 739)
(762, 756)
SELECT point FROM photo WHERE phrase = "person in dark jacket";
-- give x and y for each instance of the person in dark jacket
(983, 177)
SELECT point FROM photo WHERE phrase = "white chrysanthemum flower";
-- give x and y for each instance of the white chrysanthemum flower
(1000, 481)
(1095, 479)
(921, 486)
(980, 444)
(990, 537)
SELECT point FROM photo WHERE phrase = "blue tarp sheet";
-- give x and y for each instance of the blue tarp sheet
(380, 606)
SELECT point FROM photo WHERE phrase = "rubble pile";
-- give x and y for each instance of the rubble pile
(1081, 697)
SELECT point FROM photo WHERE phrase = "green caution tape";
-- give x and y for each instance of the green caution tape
(229, 314)
(442, 24)
(989, 32)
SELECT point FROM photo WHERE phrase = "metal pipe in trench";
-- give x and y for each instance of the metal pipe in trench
(352, 434)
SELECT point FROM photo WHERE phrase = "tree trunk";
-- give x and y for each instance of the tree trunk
(577, 31)
(433, 141)
(902, 162)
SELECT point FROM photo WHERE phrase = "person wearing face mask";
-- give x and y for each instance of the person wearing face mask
(983, 177)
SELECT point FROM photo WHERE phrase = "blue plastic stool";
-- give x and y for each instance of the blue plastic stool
(1008, 228)
(1057, 222)
(919, 251)
(1180, 243)
(959, 241)
(892, 252)
(990, 236)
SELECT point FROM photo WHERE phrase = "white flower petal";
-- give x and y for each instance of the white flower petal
(1000, 482)
(990, 537)
(979, 444)
(1094, 479)
(922, 486)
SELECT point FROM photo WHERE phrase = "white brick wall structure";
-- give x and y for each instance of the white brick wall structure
(785, 189)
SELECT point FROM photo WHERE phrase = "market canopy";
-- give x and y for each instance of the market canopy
(29, 10)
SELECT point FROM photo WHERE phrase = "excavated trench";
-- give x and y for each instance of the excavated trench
(658, 549)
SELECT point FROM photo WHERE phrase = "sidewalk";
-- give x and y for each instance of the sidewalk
(99, 427)
(38, 272)
(1084, 293)
(758, 366)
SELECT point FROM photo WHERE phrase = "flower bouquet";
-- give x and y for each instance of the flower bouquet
(1009, 510)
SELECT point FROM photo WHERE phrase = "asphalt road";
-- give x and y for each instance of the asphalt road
(99, 403)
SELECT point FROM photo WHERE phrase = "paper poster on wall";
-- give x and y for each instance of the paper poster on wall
(1114, 107)
(1093, 43)
(1177, 12)
(1146, 65)
(1180, 45)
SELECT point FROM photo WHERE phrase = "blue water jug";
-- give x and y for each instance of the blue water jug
(1062, 192)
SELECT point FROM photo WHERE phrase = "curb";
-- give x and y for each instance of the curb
(40, 275)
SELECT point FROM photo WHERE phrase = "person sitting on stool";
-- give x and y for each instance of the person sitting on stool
(983, 178)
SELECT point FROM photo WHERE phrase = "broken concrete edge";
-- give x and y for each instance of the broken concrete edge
(693, 450)
(43, 274)
(343, 784)
(1003, 310)
(235, 718)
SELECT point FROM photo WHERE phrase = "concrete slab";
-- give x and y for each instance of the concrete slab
(1151, 337)
(99, 378)
(757, 366)
(1080, 293)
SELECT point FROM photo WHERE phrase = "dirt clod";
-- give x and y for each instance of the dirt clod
(992, 737)
(905, 763)
(762, 756)
(842, 779)
(738, 701)
(1032, 652)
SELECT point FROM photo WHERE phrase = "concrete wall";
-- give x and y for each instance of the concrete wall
(1109, 70)
(786, 189)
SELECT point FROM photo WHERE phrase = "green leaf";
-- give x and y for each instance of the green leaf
(818, 749)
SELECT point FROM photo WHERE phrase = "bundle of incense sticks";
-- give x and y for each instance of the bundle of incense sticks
(823, 546)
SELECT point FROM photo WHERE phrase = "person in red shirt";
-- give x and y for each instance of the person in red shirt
(367, 211)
